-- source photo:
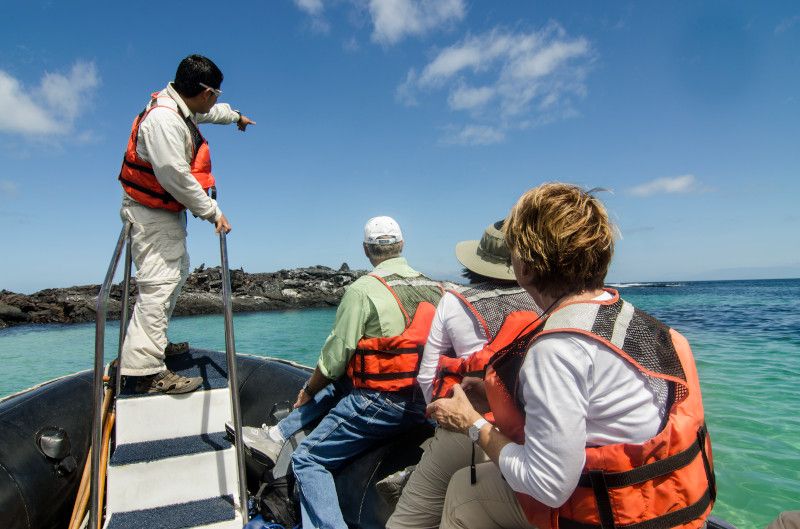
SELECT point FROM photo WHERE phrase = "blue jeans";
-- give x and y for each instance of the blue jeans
(316, 408)
(356, 423)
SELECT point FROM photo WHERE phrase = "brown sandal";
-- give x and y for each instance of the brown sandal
(167, 382)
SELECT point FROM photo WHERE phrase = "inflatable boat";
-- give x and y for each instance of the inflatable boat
(45, 437)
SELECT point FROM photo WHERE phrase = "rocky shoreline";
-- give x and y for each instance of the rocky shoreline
(298, 288)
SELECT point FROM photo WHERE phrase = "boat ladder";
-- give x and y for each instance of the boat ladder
(171, 465)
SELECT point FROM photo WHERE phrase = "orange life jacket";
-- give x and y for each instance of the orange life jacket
(492, 308)
(667, 481)
(392, 363)
(138, 178)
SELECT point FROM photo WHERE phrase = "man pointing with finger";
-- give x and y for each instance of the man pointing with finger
(167, 170)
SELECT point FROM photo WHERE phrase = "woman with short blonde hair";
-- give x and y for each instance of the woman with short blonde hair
(598, 418)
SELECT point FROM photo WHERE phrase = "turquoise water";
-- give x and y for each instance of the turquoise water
(745, 336)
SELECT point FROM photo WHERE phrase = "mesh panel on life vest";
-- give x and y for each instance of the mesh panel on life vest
(494, 303)
(642, 337)
(411, 291)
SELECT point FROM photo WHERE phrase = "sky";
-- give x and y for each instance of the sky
(440, 113)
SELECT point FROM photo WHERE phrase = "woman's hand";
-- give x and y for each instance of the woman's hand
(455, 413)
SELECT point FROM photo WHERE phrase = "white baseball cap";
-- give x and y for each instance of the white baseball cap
(382, 230)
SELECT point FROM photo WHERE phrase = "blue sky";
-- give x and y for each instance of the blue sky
(439, 113)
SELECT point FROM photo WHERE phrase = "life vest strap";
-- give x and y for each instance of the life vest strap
(165, 197)
(404, 351)
(615, 480)
(665, 521)
(712, 479)
(384, 376)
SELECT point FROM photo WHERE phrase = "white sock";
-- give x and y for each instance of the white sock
(274, 433)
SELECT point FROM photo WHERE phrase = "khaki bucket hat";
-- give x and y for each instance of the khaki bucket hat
(488, 257)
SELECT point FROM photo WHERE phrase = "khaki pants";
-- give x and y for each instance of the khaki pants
(439, 492)
(158, 247)
(420, 505)
(489, 504)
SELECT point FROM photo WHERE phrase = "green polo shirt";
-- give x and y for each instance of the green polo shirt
(367, 309)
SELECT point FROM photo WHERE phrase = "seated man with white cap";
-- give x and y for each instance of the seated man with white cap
(373, 353)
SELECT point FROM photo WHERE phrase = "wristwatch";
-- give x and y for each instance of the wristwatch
(475, 430)
(307, 390)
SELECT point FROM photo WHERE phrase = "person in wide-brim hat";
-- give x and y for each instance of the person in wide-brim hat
(467, 318)
(489, 256)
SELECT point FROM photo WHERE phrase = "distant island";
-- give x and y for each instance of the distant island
(298, 288)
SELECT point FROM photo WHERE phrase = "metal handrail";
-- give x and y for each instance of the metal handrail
(233, 380)
(124, 315)
(101, 310)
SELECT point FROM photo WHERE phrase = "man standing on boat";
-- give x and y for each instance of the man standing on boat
(167, 170)
(373, 355)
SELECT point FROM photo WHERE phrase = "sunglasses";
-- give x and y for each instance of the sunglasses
(216, 91)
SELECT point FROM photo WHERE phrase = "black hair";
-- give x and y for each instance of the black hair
(473, 278)
(192, 71)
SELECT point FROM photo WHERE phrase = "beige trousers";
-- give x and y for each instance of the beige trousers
(420, 505)
(489, 504)
(158, 247)
(439, 492)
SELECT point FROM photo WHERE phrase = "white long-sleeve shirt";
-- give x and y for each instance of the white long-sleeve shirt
(577, 393)
(454, 328)
(164, 140)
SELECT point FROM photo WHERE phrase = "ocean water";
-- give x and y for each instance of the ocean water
(745, 336)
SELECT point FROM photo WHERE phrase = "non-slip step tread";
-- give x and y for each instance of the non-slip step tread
(179, 516)
(147, 451)
(211, 365)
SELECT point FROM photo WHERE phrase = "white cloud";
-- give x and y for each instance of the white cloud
(312, 7)
(393, 20)
(786, 24)
(20, 113)
(52, 107)
(406, 92)
(674, 184)
(316, 10)
(8, 188)
(510, 80)
(475, 135)
(466, 97)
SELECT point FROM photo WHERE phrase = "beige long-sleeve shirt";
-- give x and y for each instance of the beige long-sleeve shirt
(165, 142)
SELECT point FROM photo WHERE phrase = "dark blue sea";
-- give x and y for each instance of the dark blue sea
(745, 336)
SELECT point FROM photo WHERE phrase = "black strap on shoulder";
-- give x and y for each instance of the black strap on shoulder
(615, 480)
(674, 518)
(197, 138)
(165, 197)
